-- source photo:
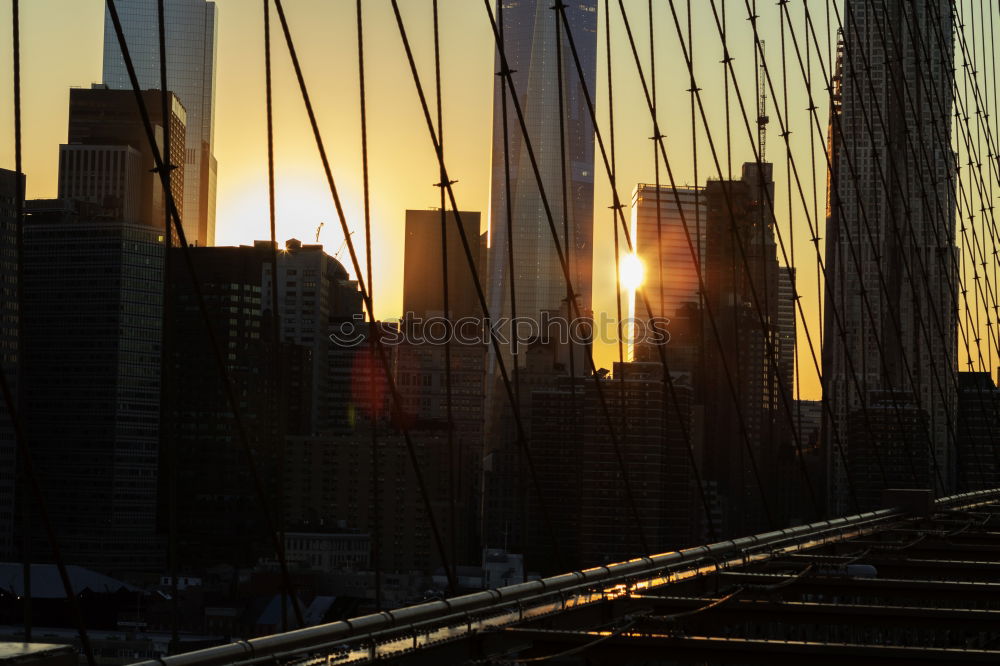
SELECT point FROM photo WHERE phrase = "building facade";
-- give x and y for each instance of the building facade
(423, 265)
(92, 309)
(529, 33)
(107, 160)
(663, 234)
(889, 185)
(191, 35)
(11, 190)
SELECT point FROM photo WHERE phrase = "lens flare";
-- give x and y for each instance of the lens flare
(632, 271)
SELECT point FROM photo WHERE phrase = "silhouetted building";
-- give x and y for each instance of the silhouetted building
(582, 486)
(887, 448)
(219, 509)
(661, 242)
(11, 190)
(739, 383)
(977, 450)
(423, 284)
(191, 35)
(92, 315)
(455, 447)
(892, 181)
(786, 329)
(107, 159)
(313, 290)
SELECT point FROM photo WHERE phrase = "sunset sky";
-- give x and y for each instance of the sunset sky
(62, 47)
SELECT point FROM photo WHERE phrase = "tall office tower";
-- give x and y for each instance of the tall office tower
(92, 310)
(11, 189)
(107, 160)
(219, 514)
(313, 289)
(423, 293)
(529, 32)
(421, 374)
(741, 286)
(978, 427)
(581, 488)
(661, 243)
(892, 181)
(786, 329)
(191, 38)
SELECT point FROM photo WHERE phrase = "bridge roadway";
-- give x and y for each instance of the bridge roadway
(919, 582)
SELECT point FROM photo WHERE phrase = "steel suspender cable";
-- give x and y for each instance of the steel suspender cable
(202, 306)
(366, 297)
(449, 408)
(276, 336)
(511, 279)
(614, 225)
(561, 255)
(522, 439)
(21, 444)
(697, 262)
(374, 498)
(19, 296)
(167, 444)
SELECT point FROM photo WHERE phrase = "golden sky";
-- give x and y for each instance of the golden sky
(62, 47)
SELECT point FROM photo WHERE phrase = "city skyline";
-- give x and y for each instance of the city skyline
(303, 201)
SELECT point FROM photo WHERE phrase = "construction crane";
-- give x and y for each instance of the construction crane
(343, 245)
(318, 229)
(762, 117)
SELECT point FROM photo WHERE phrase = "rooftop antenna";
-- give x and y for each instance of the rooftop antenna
(762, 117)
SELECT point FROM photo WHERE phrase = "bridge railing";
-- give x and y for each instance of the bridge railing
(447, 619)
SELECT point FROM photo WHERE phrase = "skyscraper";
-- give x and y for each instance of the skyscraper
(741, 286)
(91, 388)
(11, 188)
(529, 32)
(895, 63)
(107, 160)
(661, 243)
(191, 37)
(422, 270)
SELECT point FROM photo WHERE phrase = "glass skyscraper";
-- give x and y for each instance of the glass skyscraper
(191, 38)
(529, 31)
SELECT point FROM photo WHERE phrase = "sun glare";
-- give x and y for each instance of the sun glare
(632, 271)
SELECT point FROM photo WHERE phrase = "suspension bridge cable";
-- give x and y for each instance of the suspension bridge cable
(784, 392)
(21, 443)
(600, 142)
(376, 509)
(927, 282)
(619, 329)
(728, 61)
(167, 447)
(815, 241)
(866, 302)
(366, 297)
(751, 456)
(449, 409)
(19, 295)
(276, 365)
(511, 275)
(199, 296)
(522, 439)
(945, 237)
(574, 307)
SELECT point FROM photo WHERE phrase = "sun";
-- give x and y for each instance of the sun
(632, 271)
